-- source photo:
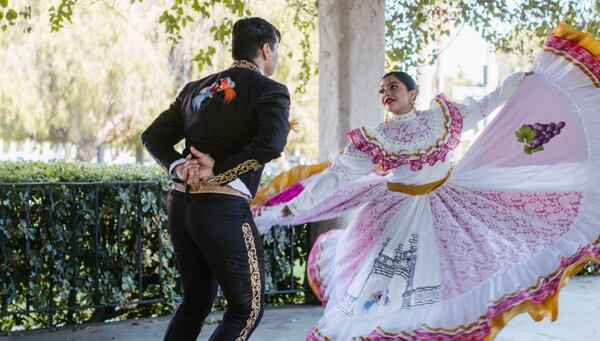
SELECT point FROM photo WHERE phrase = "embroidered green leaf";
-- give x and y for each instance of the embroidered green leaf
(525, 134)
(530, 150)
(538, 149)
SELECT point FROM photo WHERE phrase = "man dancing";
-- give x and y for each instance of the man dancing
(233, 122)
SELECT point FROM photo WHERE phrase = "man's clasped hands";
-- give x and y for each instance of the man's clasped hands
(197, 168)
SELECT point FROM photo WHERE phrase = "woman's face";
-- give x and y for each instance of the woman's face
(394, 96)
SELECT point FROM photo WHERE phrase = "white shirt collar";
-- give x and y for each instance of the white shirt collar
(404, 117)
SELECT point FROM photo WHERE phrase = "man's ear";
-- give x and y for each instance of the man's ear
(266, 49)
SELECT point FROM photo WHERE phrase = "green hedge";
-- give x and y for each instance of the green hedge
(73, 235)
(60, 171)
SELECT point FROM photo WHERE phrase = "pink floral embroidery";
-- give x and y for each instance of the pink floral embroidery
(387, 161)
(371, 223)
(480, 232)
(360, 237)
(344, 199)
(416, 130)
(576, 52)
(544, 289)
(352, 151)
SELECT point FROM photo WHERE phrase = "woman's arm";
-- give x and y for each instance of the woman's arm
(473, 110)
(350, 164)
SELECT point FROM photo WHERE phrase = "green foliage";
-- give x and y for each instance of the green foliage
(85, 85)
(76, 237)
(61, 171)
(305, 20)
(72, 239)
(511, 27)
(177, 16)
(282, 268)
(61, 13)
(204, 57)
(411, 25)
(180, 13)
(8, 15)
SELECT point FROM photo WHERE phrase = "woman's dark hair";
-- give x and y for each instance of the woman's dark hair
(249, 35)
(403, 77)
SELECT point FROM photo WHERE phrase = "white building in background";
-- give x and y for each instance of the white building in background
(34, 150)
(47, 151)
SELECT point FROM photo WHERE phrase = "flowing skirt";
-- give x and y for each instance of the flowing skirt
(499, 238)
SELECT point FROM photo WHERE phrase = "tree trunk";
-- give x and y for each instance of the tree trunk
(100, 153)
(139, 153)
(85, 153)
(87, 149)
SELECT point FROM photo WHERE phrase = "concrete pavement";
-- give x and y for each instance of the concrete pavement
(579, 320)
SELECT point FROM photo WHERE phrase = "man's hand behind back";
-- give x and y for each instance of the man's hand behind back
(197, 169)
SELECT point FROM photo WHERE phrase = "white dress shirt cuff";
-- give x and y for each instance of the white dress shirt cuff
(173, 165)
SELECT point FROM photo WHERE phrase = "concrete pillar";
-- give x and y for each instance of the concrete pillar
(351, 63)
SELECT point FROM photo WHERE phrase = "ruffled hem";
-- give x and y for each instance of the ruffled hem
(582, 47)
(539, 301)
(543, 301)
(322, 253)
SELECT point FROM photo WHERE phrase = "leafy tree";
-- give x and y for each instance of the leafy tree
(87, 84)
(199, 32)
(410, 26)
(8, 15)
(515, 27)
(132, 67)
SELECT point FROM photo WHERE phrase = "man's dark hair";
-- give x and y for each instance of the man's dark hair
(249, 35)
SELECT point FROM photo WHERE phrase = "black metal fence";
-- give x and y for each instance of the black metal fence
(76, 252)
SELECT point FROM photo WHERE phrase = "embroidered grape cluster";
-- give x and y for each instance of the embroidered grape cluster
(534, 136)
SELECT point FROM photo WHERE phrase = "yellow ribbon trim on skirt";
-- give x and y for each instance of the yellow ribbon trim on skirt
(286, 179)
(417, 189)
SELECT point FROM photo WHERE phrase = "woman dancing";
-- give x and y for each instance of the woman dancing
(452, 253)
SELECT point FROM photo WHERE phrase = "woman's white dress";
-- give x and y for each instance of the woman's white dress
(498, 237)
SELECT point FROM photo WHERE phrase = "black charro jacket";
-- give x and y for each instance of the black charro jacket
(241, 134)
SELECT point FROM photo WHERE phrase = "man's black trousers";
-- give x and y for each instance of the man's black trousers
(216, 244)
